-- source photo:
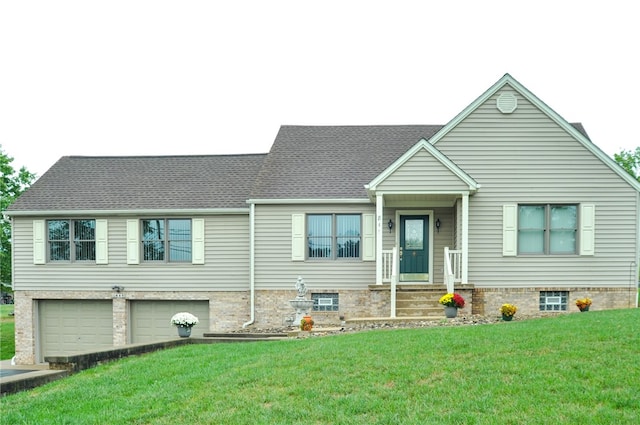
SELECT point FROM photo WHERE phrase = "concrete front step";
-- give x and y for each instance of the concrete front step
(420, 312)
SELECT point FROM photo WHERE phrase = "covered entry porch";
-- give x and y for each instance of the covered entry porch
(424, 241)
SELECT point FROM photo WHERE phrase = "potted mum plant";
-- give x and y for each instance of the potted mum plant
(306, 324)
(451, 303)
(184, 322)
(508, 310)
(583, 304)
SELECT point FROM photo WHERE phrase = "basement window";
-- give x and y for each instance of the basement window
(553, 300)
(325, 302)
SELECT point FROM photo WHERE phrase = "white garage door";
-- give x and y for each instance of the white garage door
(74, 326)
(151, 320)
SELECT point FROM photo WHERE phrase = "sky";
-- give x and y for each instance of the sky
(207, 77)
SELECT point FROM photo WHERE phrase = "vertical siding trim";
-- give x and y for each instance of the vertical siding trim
(509, 230)
(587, 229)
(297, 237)
(197, 244)
(133, 235)
(102, 242)
(39, 242)
(368, 237)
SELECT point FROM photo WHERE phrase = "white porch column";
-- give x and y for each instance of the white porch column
(465, 239)
(379, 216)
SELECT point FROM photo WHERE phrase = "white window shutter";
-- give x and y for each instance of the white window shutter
(368, 237)
(297, 237)
(587, 229)
(102, 242)
(197, 243)
(133, 237)
(509, 230)
(39, 242)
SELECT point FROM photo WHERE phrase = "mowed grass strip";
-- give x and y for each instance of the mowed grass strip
(573, 368)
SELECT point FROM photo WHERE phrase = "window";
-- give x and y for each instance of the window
(166, 240)
(553, 300)
(547, 229)
(71, 240)
(325, 302)
(333, 236)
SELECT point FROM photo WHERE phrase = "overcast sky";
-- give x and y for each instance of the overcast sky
(204, 77)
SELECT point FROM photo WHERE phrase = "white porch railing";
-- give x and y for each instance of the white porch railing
(387, 265)
(452, 268)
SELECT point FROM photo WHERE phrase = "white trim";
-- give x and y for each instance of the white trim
(379, 229)
(465, 239)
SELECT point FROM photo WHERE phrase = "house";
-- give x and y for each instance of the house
(507, 202)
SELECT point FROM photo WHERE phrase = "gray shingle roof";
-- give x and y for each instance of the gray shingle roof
(312, 162)
(144, 182)
(305, 162)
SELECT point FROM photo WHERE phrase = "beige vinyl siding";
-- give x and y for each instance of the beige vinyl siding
(525, 157)
(423, 173)
(274, 267)
(225, 268)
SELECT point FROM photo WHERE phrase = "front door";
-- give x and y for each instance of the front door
(414, 248)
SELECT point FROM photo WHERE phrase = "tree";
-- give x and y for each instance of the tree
(12, 185)
(630, 161)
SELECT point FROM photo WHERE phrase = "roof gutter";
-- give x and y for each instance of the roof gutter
(252, 262)
(56, 213)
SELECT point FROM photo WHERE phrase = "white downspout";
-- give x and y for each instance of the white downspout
(379, 216)
(252, 283)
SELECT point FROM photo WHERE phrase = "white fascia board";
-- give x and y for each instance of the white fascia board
(309, 201)
(69, 213)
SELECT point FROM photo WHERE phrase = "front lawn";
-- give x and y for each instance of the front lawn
(573, 368)
(7, 328)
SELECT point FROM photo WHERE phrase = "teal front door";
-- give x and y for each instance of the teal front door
(414, 248)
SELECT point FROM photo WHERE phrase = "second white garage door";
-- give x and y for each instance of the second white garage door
(151, 320)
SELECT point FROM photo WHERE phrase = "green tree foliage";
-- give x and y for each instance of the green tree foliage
(12, 184)
(630, 161)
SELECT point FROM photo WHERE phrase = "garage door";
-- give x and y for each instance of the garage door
(74, 326)
(151, 320)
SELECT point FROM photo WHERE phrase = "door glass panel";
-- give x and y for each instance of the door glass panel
(414, 234)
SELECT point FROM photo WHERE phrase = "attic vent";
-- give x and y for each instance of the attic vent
(507, 103)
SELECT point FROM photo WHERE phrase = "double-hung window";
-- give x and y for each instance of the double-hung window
(333, 236)
(166, 239)
(547, 229)
(71, 240)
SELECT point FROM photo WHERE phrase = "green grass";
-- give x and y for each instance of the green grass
(7, 329)
(574, 368)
